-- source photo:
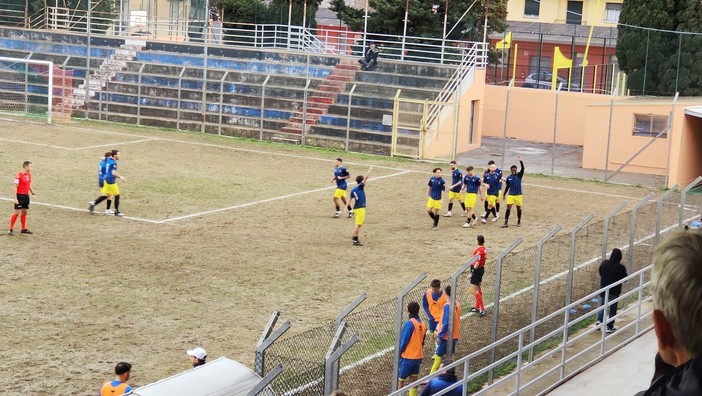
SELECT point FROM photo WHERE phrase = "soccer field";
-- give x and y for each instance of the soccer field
(218, 233)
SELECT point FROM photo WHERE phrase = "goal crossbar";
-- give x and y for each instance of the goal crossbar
(50, 80)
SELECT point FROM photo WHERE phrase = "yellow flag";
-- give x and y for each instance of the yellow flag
(506, 43)
(559, 62)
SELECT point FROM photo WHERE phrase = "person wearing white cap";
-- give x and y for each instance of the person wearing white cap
(197, 356)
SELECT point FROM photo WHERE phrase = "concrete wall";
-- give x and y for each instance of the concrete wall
(689, 161)
(532, 113)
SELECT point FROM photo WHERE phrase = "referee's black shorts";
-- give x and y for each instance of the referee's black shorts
(22, 201)
(477, 276)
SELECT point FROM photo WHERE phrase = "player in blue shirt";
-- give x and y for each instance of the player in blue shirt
(455, 189)
(358, 198)
(492, 180)
(472, 186)
(491, 164)
(111, 189)
(340, 176)
(513, 192)
(102, 168)
(437, 186)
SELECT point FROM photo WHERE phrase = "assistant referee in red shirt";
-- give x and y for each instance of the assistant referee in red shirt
(23, 181)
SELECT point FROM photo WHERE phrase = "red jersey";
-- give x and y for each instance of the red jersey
(23, 182)
(482, 253)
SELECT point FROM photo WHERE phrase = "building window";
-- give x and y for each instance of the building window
(650, 125)
(535, 67)
(574, 14)
(531, 8)
(612, 11)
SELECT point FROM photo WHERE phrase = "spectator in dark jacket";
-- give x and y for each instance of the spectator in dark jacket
(442, 382)
(611, 271)
(676, 285)
(370, 58)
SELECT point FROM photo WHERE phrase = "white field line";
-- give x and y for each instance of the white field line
(82, 210)
(268, 200)
(36, 144)
(582, 191)
(509, 297)
(115, 144)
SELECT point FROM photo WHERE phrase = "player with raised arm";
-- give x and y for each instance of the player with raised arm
(437, 186)
(23, 184)
(358, 198)
(513, 192)
(455, 190)
(102, 167)
(472, 186)
(340, 176)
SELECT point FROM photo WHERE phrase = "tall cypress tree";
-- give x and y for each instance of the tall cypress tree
(650, 57)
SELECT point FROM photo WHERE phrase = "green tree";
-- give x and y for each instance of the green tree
(650, 57)
(276, 12)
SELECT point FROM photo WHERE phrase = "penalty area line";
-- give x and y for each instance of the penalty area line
(82, 210)
(269, 200)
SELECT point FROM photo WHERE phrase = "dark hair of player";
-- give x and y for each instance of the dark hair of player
(491, 162)
(435, 169)
(25, 163)
(435, 283)
(481, 239)
(123, 367)
(447, 289)
(470, 168)
(359, 179)
(513, 167)
(413, 308)
(339, 159)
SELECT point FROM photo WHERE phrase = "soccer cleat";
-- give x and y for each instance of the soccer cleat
(481, 312)
(26, 231)
(337, 214)
(466, 225)
(357, 243)
(611, 330)
(91, 207)
(494, 219)
(474, 309)
(434, 228)
(483, 220)
(118, 213)
(504, 225)
(519, 224)
(498, 216)
(109, 212)
(350, 213)
(447, 214)
(10, 233)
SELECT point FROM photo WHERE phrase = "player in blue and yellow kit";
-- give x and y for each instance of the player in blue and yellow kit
(491, 165)
(492, 181)
(358, 197)
(442, 336)
(340, 176)
(110, 188)
(102, 168)
(455, 189)
(513, 192)
(472, 186)
(437, 186)
(411, 347)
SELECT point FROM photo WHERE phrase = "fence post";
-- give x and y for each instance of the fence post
(496, 301)
(141, 70)
(331, 359)
(268, 337)
(304, 111)
(452, 304)
(221, 102)
(659, 211)
(398, 325)
(555, 129)
(571, 258)
(349, 308)
(395, 120)
(537, 281)
(683, 197)
(504, 127)
(632, 230)
(348, 116)
(180, 95)
(605, 234)
(263, 107)
(265, 381)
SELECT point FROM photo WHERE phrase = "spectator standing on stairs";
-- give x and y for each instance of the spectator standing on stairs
(370, 59)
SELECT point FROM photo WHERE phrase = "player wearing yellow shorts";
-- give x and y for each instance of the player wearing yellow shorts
(110, 188)
(491, 165)
(437, 186)
(513, 192)
(340, 176)
(491, 181)
(471, 185)
(455, 189)
(358, 197)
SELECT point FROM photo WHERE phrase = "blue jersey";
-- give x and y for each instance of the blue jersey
(514, 182)
(110, 166)
(472, 184)
(456, 178)
(436, 186)
(101, 171)
(358, 194)
(493, 182)
(338, 174)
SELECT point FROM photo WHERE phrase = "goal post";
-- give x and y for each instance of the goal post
(35, 88)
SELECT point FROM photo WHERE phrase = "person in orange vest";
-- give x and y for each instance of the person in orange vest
(411, 347)
(118, 386)
(442, 336)
(433, 303)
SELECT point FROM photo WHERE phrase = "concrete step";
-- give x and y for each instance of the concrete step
(320, 99)
(342, 78)
(298, 120)
(312, 110)
(329, 88)
(348, 66)
(290, 129)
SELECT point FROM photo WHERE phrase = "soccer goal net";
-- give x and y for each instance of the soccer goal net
(37, 88)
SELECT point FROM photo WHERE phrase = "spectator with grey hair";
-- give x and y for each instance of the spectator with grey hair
(676, 281)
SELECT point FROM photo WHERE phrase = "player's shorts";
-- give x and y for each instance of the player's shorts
(22, 201)
(491, 199)
(477, 277)
(514, 199)
(471, 199)
(409, 367)
(455, 195)
(338, 193)
(110, 189)
(443, 345)
(434, 204)
(360, 215)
